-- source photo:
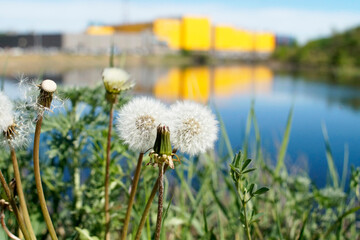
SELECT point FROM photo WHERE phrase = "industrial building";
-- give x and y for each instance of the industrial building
(162, 36)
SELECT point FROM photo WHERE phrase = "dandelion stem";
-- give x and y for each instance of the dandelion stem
(3, 224)
(107, 175)
(132, 196)
(148, 206)
(39, 188)
(14, 207)
(21, 193)
(146, 210)
(160, 201)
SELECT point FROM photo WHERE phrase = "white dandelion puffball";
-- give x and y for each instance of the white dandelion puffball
(137, 121)
(6, 112)
(116, 80)
(15, 121)
(193, 127)
(48, 86)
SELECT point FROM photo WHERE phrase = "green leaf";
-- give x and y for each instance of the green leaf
(261, 191)
(246, 163)
(249, 170)
(256, 218)
(85, 235)
(235, 169)
(251, 188)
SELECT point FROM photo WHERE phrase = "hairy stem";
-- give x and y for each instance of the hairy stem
(37, 174)
(21, 194)
(15, 209)
(132, 196)
(107, 175)
(160, 201)
(147, 208)
(3, 224)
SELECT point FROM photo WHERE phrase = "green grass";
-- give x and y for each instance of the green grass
(201, 200)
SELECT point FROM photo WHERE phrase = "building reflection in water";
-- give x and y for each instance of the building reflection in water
(202, 83)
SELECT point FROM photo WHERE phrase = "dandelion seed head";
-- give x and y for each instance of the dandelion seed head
(21, 136)
(116, 80)
(30, 94)
(193, 127)
(15, 125)
(48, 86)
(6, 112)
(137, 121)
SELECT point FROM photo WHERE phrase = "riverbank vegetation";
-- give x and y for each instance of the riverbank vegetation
(207, 196)
(336, 55)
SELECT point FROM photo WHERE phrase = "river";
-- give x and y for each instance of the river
(231, 89)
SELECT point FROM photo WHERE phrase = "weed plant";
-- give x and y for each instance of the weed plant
(201, 200)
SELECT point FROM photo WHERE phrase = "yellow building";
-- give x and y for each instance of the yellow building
(264, 42)
(100, 30)
(195, 34)
(245, 40)
(168, 30)
(224, 38)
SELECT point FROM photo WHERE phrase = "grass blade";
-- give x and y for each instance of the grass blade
(301, 235)
(339, 220)
(247, 130)
(224, 133)
(345, 166)
(330, 159)
(285, 141)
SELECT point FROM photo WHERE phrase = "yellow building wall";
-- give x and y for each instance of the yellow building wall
(244, 40)
(195, 34)
(100, 30)
(224, 38)
(168, 30)
(264, 42)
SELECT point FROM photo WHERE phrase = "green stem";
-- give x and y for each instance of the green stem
(132, 196)
(37, 174)
(243, 201)
(246, 222)
(14, 207)
(147, 208)
(107, 175)
(77, 183)
(21, 193)
(160, 201)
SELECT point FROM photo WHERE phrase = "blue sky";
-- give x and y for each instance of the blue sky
(303, 19)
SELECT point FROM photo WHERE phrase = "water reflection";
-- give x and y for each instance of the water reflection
(231, 89)
(201, 83)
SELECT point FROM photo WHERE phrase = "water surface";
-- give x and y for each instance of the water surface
(230, 89)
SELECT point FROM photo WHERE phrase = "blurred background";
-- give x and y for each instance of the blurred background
(281, 55)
